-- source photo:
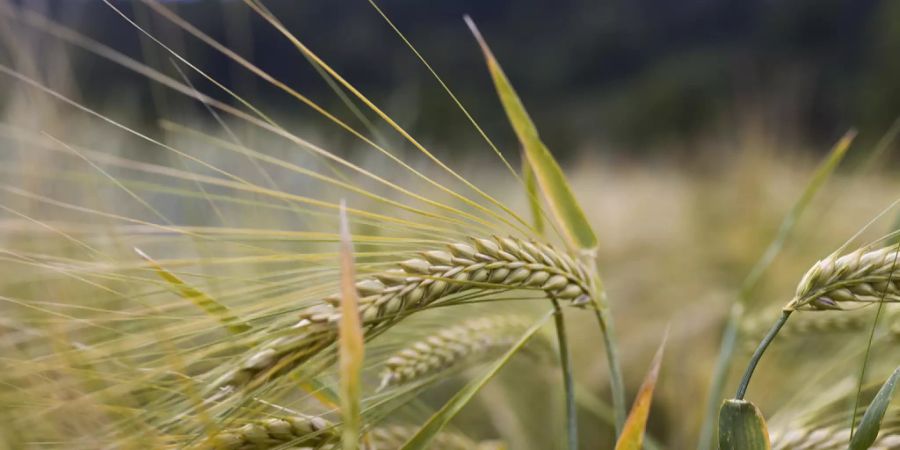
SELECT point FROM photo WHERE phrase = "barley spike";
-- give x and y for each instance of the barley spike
(452, 347)
(858, 277)
(495, 264)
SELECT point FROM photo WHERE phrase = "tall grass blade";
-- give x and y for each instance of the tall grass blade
(726, 350)
(350, 342)
(534, 199)
(422, 439)
(566, 210)
(632, 437)
(209, 305)
(870, 424)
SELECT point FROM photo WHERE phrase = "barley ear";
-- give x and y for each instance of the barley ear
(862, 276)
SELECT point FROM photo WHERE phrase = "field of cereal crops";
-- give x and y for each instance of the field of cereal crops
(223, 275)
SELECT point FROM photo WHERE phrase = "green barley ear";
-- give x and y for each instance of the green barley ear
(863, 276)
(742, 426)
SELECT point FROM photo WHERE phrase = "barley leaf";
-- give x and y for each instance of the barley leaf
(549, 175)
(870, 424)
(423, 437)
(632, 437)
(350, 341)
(534, 199)
(742, 426)
(209, 305)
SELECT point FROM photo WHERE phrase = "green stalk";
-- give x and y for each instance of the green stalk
(720, 374)
(568, 380)
(754, 360)
(617, 386)
(732, 333)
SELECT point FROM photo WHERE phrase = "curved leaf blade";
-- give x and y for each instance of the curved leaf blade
(550, 177)
(870, 424)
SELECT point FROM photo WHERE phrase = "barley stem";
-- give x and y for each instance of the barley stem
(754, 360)
(617, 386)
(568, 381)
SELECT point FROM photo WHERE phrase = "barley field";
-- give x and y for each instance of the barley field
(228, 261)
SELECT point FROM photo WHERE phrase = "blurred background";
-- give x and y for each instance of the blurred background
(623, 78)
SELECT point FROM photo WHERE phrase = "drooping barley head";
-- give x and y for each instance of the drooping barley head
(489, 265)
(859, 277)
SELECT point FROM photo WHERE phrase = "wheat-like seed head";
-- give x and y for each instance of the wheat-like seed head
(469, 341)
(269, 433)
(489, 265)
(859, 277)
